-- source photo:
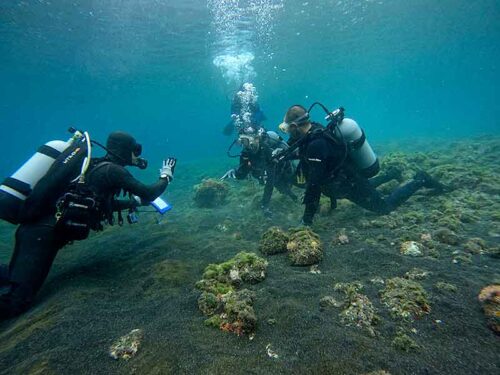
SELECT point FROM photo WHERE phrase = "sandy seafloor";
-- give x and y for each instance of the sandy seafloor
(143, 276)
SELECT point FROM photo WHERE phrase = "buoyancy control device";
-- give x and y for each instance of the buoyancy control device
(16, 189)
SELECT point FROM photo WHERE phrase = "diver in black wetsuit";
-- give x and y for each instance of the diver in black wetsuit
(38, 238)
(257, 160)
(245, 111)
(328, 171)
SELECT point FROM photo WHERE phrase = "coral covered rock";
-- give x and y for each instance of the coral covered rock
(226, 307)
(210, 193)
(405, 298)
(490, 299)
(357, 308)
(412, 248)
(126, 346)
(446, 236)
(304, 247)
(273, 241)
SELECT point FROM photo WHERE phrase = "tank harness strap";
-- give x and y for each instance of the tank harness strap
(19, 186)
(49, 151)
(358, 143)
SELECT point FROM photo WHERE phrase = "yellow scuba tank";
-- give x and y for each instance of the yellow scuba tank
(15, 189)
(358, 148)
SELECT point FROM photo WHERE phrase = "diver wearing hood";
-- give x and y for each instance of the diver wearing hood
(256, 159)
(330, 168)
(43, 232)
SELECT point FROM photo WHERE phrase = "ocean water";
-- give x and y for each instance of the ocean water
(166, 70)
(422, 79)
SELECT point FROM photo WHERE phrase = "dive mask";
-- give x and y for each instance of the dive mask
(285, 126)
(248, 142)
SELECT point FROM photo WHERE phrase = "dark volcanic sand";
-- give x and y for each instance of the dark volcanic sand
(143, 276)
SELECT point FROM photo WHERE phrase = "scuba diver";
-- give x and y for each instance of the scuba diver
(77, 194)
(257, 159)
(338, 161)
(246, 114)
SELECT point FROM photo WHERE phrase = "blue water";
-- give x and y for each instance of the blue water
(403, 69)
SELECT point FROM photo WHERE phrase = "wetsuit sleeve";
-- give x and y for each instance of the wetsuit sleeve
(316, 158)
(243, 169)
(123, 179)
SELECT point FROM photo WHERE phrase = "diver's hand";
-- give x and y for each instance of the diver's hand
(135, 201)
(276, 152)
(229, 174)
(167, 169)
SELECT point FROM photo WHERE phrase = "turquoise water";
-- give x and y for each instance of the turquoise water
(421, 77)
(402, 69)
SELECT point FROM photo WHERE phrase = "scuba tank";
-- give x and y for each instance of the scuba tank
(275, 141)
(15, 189)
(358, 149)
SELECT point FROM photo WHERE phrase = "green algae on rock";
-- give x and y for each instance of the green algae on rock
(126, 346)
(405, 298)
(210, 193)
(446, 236)
(273, 241)
(226, 307)
(304, 247)
(446, 287)
(358, 309)
(404, 342)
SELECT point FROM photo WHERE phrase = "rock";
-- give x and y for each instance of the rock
(412, 248)
(417, 274)
(329, 301)
(425, 237)
(446, 287)
(304, 247)
(359, 312)
(273, 241)
(377, 280)
(489, 297)
(211, 193)
(404, 342)
(405, 299)
(475, 245)
(314, 269)
(226, 307)
(446, 236)
(126, 346)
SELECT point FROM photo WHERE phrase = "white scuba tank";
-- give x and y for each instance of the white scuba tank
(360, 151)
(16, 188)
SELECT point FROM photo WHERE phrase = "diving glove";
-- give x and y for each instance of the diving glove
(229, 174)
(167, 169)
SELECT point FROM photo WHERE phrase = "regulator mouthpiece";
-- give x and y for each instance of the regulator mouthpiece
(141, 163)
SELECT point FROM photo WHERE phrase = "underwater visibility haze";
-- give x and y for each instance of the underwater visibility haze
(199, 289)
